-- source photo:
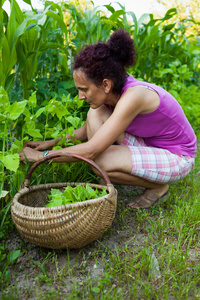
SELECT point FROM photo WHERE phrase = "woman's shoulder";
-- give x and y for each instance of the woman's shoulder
(133, 82)
(144, 98)
(132, 101)
(130, 81)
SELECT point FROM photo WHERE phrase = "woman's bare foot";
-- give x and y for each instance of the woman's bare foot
(151, 197)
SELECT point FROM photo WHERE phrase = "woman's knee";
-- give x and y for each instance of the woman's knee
(102, 113)
(96, 118)
(100, 163)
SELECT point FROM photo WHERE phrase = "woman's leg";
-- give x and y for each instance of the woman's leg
(116, 161)
(96, 118)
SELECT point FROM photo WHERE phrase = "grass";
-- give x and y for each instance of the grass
(150, 254)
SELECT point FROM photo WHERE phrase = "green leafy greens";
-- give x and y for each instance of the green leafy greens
(74, 194)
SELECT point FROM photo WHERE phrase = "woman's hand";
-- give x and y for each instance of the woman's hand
(40, 145)
(30, 154)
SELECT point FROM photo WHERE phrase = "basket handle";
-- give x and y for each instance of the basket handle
(80, 157)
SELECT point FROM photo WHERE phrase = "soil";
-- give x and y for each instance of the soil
(31, 262)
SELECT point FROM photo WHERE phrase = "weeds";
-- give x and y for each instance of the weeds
(6, 259)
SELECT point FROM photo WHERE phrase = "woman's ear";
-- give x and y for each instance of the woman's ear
(107, 85)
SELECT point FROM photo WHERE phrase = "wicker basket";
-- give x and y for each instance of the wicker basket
(67, 226)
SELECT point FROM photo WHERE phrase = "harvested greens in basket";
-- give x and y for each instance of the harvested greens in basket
(74, 194)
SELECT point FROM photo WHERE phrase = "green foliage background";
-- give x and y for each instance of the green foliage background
(38, 99)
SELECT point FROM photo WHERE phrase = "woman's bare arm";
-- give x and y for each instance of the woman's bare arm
(132, 103)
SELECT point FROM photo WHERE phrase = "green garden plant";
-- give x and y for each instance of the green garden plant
(73, 195)
(25, 36)
(5, 261)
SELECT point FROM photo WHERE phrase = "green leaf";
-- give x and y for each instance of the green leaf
(16, 146)
(170, 13)
(20, 29)
(3, 194)
(10, 82)
(57, 201)
(55, 198)
(12, 256)
(18, 13)
(27, 1)
(67, 84)
(96, 290)
(90, 192)
(70, 194)
(10, 161)
(110, 8)
(16, 109)
(4, 100)
(116, 15)
(32, 100)
(59, 20)
(54, 193)
(56, 107)
(2, 257)
(81, 195)
(35, 133)
(74, 194)
(103, 193)
(75, 121)
(30, 26)
(39, 112)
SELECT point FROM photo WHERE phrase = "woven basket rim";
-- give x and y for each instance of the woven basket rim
(85, 203)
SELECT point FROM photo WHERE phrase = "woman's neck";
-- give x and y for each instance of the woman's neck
(112, 99)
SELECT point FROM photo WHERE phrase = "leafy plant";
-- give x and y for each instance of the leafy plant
(9, 113)
(74, 194)
(178, 80)
(5, 261)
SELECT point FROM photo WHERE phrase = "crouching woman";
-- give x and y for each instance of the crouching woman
(136, 131)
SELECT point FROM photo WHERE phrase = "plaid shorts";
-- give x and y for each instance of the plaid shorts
(156, 164)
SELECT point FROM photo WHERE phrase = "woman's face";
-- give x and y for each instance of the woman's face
(88, 91)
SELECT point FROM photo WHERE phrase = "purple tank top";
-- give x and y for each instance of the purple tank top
(166, 127)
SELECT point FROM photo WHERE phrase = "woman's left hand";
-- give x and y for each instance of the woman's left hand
(30, 154)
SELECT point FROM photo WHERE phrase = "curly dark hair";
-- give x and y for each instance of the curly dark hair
(108, 60)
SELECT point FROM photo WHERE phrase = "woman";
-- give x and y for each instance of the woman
(136, 131)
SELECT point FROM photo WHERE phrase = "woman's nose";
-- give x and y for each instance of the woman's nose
(81, 95)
